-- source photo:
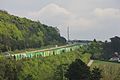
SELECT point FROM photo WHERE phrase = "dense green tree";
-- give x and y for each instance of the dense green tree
(29, 77)
(96, 74)
(95, 48)
(9, 69)
(60, 72)
(109, 48)
(78, 70)
(21, 33)
(107, 51)
(115, 43)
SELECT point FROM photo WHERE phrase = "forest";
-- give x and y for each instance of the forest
(104, 50)
(49, 68)
(18, 33)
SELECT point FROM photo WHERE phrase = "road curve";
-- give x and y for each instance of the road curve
(90, 63)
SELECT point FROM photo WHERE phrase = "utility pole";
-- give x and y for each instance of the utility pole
(68, 33)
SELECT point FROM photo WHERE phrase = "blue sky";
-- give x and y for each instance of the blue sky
(87, 19)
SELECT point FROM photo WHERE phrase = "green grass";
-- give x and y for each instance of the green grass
(97, 62)
(32, 49)
(110, 70)
(85, 57)
(41, 67)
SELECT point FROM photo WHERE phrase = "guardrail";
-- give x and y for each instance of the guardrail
(45, 52)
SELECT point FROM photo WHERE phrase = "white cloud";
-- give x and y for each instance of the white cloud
(107, 12)
(51, 10)
(55, 15)
(82, 23)
(102, 23)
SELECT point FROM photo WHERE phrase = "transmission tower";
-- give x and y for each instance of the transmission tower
(68, 35)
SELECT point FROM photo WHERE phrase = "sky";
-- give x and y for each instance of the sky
(86, 19)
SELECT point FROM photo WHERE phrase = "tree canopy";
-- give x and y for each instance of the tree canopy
(78, 70)
(21, 33)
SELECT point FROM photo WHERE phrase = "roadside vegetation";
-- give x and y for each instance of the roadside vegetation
(78, 70)
(105, 50)
(47, 68)
(110, 70)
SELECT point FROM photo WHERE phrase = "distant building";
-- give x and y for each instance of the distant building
(116, 57)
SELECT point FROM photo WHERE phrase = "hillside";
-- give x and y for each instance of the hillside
(110, 70)
(21, 33)
(48, 68)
